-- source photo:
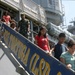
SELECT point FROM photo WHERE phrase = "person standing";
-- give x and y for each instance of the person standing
(24, 26)
(68, 57)
(59, 47)
(42, 40)
(6, 18)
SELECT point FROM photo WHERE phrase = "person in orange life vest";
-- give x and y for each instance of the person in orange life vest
(42, 40)
(6, 18)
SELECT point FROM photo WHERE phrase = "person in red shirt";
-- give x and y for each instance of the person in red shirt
(6, 18)
(42, 40)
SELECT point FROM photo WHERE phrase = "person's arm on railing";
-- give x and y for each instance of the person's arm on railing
(18, 27)
(69, 66)
(36, 40)
(62, 60)
(48, 46)
(28, 27)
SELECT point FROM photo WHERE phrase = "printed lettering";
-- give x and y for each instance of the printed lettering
(33, 63)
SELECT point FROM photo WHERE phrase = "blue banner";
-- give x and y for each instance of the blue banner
(31, 57)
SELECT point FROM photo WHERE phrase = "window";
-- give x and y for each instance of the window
(57, 5)
(50, 2)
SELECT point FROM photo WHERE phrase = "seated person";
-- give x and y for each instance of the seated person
(68, 57)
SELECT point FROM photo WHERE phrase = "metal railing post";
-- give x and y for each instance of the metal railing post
(32, 35)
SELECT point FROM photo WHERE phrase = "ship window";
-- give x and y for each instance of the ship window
(57, 4)
(50, 2)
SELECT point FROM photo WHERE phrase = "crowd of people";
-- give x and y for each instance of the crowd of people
(23, 26)
(6, 19)
(64, 54)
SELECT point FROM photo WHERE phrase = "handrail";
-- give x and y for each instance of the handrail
(33, 32)
(28, 53)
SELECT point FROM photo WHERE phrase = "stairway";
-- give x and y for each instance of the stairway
(32, 59)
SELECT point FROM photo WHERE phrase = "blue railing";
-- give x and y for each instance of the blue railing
(31, 57)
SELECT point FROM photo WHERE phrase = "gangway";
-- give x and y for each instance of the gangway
(32, 59)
